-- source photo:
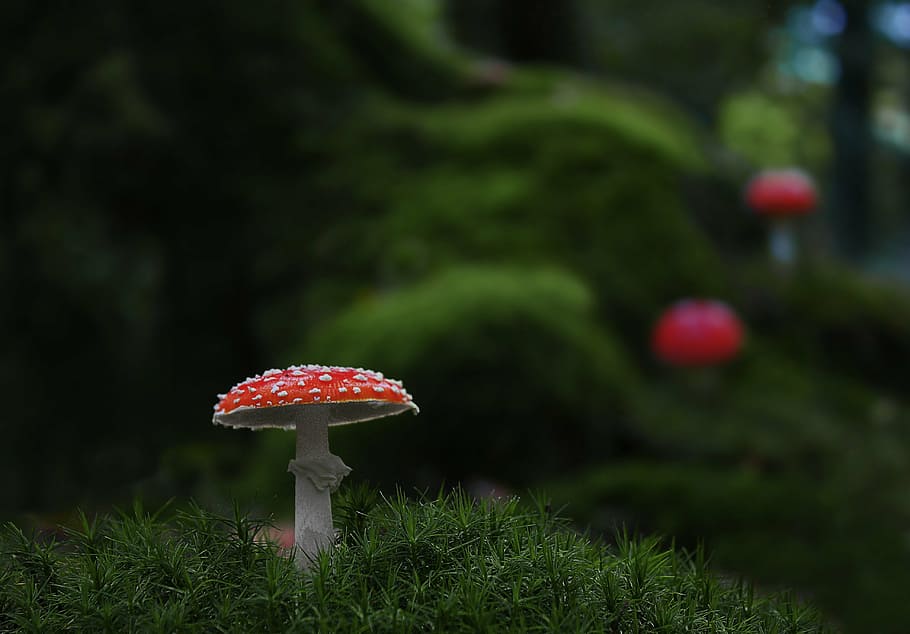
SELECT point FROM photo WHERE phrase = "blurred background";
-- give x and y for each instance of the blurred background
(493, 200)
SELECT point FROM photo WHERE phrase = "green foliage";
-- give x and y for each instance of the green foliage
(399, 47)
(448, 564)
(833, 318)
(762, 521)
(490, 410)
(773, 131)
(417, 25)
(767, 409)
(512, 125)
(400, 325)
(587, 179)
(691, 51)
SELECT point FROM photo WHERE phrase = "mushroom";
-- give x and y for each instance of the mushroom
(310, 398)
(697, 332)
(781, 195)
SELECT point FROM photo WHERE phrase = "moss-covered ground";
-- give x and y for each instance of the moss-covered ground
(447, 564)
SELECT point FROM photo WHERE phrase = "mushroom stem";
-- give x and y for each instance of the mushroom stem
(318, 472)
(782, 242)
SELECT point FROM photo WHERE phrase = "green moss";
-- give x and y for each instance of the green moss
(520, 179)
(403, 324)
(401, 45)
(451, 212)
(418, 24)
(446, 564)
(689, 500)
(831, 317)
(774, 130)
(780, 527)
(763, 408)
(497, 357)
(514, 124)
(603, 220)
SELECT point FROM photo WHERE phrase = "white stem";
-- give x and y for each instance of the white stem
(782, 242)
(317, 473)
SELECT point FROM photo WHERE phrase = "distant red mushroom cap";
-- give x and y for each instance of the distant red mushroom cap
(281, 398)
(786, 192)
(696, 333)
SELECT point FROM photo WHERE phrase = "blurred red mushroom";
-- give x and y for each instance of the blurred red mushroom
(697, 332)
(781, 195)
(282, 535)
(310, 398)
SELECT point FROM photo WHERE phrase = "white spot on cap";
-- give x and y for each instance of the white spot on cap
(378, 388)
(315, 390)
(342, 390)
(251, 389)
(275, 388)
(359, 377)
(301, 382)
(298, 400)
(356, 390)
(283, 393)
(236, 400)
(298, 373)
(315, 398)
(325, 377)
(258, 397)
(221, 396)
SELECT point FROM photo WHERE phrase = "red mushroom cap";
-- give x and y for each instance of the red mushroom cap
(697, 332)
(787, 192)
(281, 398)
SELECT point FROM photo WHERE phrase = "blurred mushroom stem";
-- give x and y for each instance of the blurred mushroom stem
(318, 473)
(782, 242)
